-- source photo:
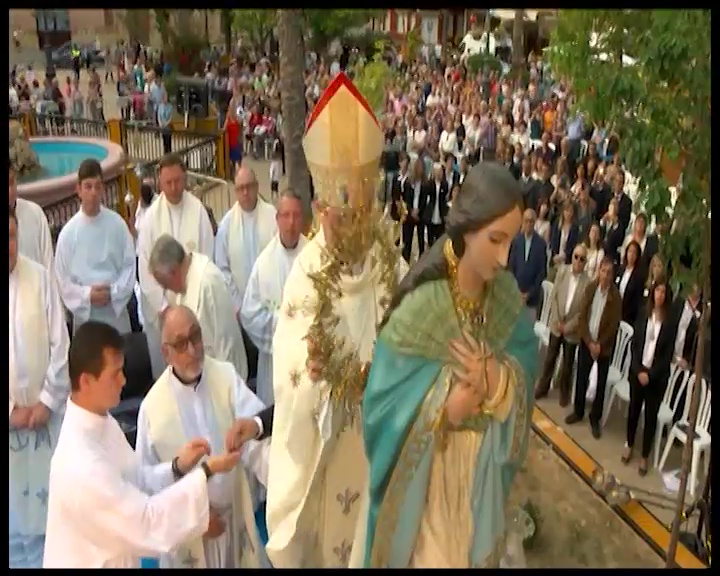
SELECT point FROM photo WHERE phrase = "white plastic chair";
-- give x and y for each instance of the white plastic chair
(583, 148)
(541, 329)
(673, 394)
(618, 385)
(701, 443)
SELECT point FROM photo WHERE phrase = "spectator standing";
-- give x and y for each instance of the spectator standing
(630, 282)
(527, 261)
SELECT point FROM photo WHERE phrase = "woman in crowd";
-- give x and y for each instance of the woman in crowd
(630, 281)
(542, 224)
(564, 236)
(611, 232)
(595, 252)
(652, 354)
(655, 270)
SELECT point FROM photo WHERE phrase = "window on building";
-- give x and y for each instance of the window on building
(52, 20)
(403, 21)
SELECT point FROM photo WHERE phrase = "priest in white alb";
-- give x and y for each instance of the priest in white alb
(264, 292)
(179, 213)
(95, 257)
(191, 279)
(34, 238)
(200, 397)
(105, 509)
(243, 233)
(334, 297)
(38, 387)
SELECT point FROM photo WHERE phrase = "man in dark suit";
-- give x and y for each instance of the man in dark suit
(258, 428)
(400, 190)
(539, 189)
(436, 198)
(414, 198)
(623, 200)
(527, 260)
(450, 175)
(600, 315)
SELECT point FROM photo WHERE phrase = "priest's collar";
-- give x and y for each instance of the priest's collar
(84, 417)
(194, 383)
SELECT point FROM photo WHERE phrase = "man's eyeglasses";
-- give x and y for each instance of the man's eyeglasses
(579, 257)
(181, 344)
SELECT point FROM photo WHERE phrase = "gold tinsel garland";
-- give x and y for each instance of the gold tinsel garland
(342, 371)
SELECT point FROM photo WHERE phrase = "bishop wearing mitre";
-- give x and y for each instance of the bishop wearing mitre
(334, 298)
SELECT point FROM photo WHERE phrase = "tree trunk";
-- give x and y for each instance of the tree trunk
(694, 405)
(518, 37)
(292, 99)
(226, 25)
(488, 22)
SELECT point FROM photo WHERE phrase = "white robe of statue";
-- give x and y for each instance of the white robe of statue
(188, 222)
(38, 371)
(209, 298)
(106, 510)
(34, 238)
(174, 413)
(241, 237)
(261, 305)
(317, 465)
(96, 250)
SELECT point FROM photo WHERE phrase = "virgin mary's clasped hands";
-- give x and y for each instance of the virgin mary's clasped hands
(475, 378)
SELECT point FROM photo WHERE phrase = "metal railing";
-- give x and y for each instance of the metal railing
(142, 141)
(56, 125)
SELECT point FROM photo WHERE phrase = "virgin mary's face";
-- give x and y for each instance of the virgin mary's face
(487, 249)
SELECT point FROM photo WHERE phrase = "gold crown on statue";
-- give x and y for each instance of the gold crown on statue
(343, 143)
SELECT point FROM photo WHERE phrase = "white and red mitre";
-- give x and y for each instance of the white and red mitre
(343, 143)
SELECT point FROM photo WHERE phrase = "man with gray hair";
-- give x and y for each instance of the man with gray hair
(199, 285)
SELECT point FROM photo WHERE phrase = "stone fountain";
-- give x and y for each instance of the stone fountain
(22, 157)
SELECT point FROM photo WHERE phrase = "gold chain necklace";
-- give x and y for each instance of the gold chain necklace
(469, 311)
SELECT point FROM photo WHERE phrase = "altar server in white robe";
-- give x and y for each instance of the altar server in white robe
(263, 295)
(106, 510)
(34, 238)
(243, 234)
(194, 281)
(95, 257)
(179, 213)
(334, 298)
(38, 388)
(198, 396)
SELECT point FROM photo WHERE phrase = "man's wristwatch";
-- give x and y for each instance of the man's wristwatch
(177, 474)
(206, 469)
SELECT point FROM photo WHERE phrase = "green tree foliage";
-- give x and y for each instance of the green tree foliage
(660, 108)
(255, 25)
(325, 25)
(659, 104)
(478, 62)
(372, 79)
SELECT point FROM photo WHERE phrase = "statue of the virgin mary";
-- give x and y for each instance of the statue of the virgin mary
(447, 405)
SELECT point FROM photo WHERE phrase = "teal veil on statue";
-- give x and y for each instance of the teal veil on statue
(437, 493)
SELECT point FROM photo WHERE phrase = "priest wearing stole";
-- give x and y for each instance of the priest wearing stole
(34, 237)
(178, 213)
(264, 293)
(200, 397)
(447, 405)
(243, 234)
(95, 257)
(38, 387)
(191, 279)
(334, 298)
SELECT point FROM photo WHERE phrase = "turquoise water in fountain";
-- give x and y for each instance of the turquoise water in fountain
(63, 158)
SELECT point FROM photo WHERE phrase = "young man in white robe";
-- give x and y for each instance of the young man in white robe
(105, 509)
(95, 258)
(178, 213)
(317, 460)
(191, 279)
(243, 233)
(34, 237)
(38, 388)
(198, 396)
(264, 292)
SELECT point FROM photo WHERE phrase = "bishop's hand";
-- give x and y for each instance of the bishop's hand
(242, 430)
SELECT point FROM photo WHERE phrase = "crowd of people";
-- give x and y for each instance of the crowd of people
(579, 228)
(500, 186)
